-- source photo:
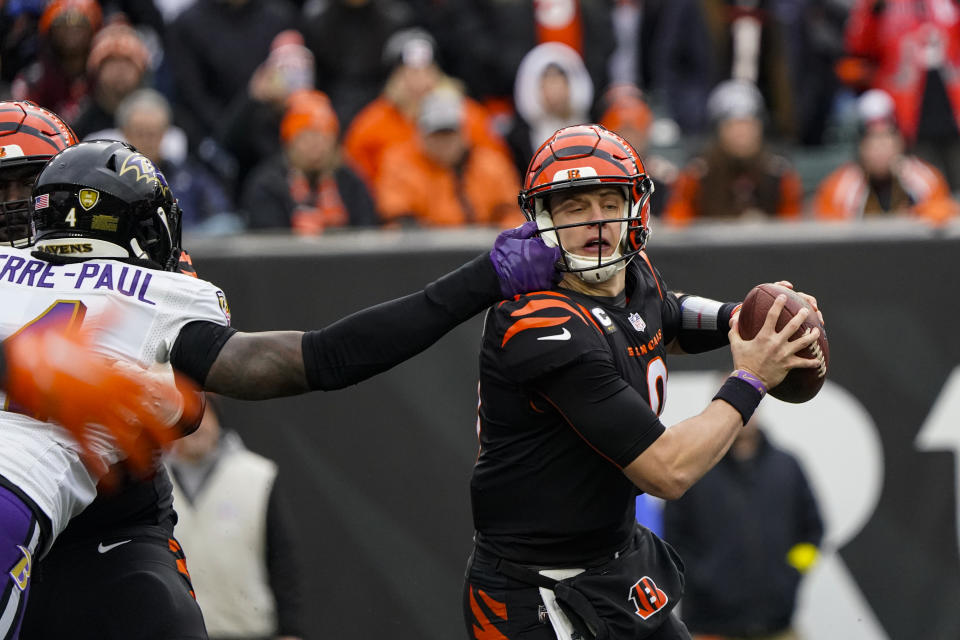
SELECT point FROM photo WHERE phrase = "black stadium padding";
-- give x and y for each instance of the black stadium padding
(378, 474)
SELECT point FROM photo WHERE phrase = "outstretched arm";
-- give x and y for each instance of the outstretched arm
(265, 365)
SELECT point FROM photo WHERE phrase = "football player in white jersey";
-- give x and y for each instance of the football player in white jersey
(43, 370)
(106, 252)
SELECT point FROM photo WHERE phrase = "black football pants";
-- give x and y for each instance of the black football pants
(495, 606)
(131, 584)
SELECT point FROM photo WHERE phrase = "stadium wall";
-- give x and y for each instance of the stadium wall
(378, 474)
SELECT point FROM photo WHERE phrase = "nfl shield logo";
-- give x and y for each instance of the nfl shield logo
(637, 321)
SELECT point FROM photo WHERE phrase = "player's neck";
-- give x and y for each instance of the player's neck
(608, 289)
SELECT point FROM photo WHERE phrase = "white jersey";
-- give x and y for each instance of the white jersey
(134, 313)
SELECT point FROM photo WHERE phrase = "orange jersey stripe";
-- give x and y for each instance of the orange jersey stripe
(537, 305)
(643, 254)
(589, 316)
(531, 323)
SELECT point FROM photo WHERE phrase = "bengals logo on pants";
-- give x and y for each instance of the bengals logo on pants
(647, 597)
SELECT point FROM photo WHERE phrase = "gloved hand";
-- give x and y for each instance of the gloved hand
(58, 377)
(523, 261)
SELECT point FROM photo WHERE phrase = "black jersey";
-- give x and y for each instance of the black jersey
(570, 390)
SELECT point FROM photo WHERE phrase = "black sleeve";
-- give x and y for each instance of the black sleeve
(373, 340)
(609, 414)
(283, 567)
(197, 347)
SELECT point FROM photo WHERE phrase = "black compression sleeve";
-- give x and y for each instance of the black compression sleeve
(374, 340)
(197, 347)
(610, 415)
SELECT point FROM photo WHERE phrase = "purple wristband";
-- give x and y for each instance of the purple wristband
(753, 380)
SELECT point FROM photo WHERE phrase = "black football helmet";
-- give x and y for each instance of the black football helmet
(111, 197)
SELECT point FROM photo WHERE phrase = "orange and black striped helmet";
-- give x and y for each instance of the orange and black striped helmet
(29, 136)
(588, 156)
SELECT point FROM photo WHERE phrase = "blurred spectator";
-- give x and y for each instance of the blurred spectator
(914, 46)
(19, 46)
(250, 130)
(170, 9)
(747, 531)
(144, 15)
(627, 114)
(214, 47)
(116, 67)
(236, 532)
(144, 120)
(737, 176)
(391, 118)
(787, 49)
(306, 187)
(440, 179)
(347, 38)
(883, 179)
(627, 16)
(509, 29)
(552, 90)
(58, 79)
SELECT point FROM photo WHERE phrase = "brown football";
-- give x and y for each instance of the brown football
(800, 385)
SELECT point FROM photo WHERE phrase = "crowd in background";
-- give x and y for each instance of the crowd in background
(308, 115)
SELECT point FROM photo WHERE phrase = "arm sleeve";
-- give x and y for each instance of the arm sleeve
(373, 340)
(700, 324)
(597, 403)
(197, 347)
(283, 567)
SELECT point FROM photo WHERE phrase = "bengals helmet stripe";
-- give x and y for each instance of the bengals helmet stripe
(37, 132)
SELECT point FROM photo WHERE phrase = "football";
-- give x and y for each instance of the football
(800, 385)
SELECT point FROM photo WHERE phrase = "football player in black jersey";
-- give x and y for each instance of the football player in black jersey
(572, 381)
(116, 571)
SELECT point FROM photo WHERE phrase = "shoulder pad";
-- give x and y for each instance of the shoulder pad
(536, 333)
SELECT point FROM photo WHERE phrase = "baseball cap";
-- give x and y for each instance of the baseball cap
(441, 110)
(734, 99)
(413, 47)
(875, 109)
